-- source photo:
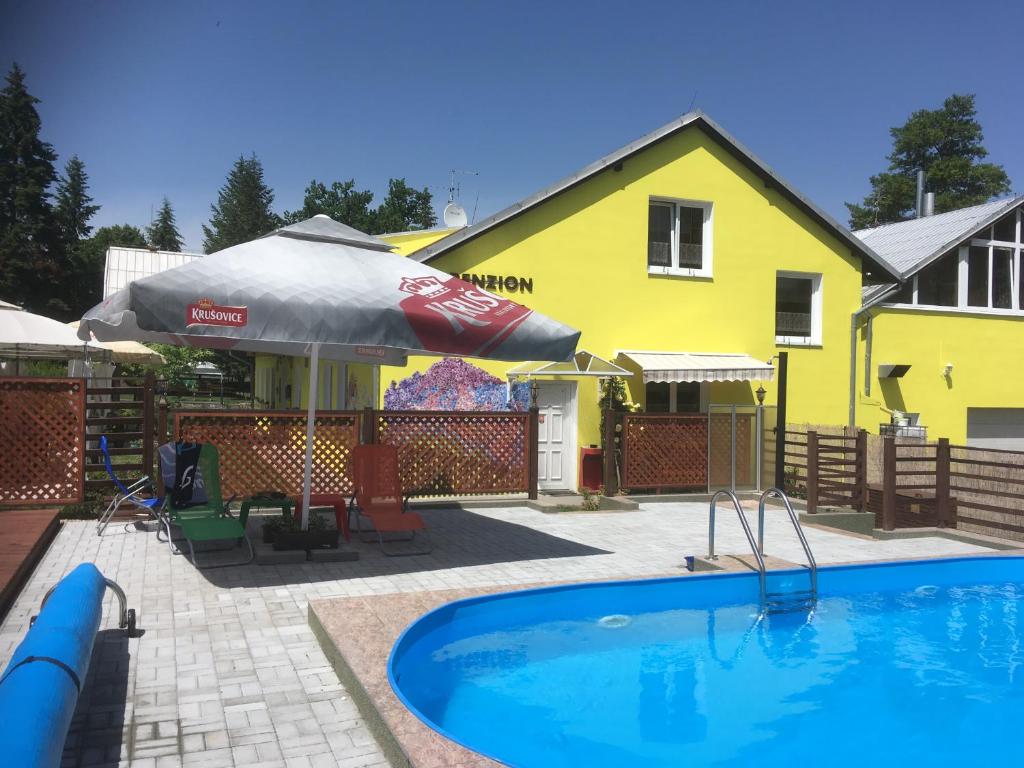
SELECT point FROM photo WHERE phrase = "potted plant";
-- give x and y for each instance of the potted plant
(289, 535)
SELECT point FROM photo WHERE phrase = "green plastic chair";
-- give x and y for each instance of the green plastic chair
(211, 520)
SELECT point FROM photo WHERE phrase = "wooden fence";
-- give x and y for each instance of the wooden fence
(671, 451)
(121, 409)
(440, 453)
(42, 441)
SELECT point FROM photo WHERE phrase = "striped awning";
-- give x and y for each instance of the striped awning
(699, 366)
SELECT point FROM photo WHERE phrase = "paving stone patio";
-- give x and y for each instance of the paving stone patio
(229, 673)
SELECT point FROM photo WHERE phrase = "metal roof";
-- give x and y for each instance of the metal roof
(910, 245)
(690, 119)
(699, 366)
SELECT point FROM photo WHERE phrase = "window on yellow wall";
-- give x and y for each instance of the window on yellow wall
(797, 308)
(679, 238)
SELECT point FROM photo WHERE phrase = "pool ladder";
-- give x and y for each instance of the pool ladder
(770, 602)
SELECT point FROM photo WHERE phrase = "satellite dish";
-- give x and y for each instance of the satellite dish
(455, 215)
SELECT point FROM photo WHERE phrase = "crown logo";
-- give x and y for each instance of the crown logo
(205, 303)
(428, 287)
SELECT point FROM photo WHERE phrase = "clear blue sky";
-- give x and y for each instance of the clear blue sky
(158, 98)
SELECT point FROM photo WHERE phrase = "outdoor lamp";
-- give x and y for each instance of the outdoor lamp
(760, 395)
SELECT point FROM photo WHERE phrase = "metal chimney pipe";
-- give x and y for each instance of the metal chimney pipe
(920, 194)
(929, 204)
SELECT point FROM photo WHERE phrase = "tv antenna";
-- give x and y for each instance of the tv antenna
(454, 214)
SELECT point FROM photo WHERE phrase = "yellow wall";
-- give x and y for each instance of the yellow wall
(276, 374)
(987, 353)
(587, 252)
(409, 242)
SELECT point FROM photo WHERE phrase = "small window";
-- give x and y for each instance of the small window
(977, 276)
(797, 308)
(679, 238)
(688, 397)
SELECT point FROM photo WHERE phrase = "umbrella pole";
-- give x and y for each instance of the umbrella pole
(314, 381)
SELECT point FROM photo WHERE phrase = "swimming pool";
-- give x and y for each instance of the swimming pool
(916, 661)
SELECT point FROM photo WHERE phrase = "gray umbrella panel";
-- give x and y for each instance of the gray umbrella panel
(283, 292)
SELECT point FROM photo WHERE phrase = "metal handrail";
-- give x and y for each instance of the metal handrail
(761, 570)
(812, 564)
(126, 615)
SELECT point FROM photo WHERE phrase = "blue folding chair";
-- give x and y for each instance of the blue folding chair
(131, 494)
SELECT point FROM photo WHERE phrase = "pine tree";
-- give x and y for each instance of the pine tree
(28, 233)
(163, 232)
(74, 206)
(946, 144)
(243, 208)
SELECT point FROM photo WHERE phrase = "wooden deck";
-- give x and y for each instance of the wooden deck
(24, 537)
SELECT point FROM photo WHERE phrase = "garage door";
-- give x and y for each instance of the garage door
(1001, 428)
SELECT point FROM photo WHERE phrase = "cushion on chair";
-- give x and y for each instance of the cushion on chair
(211, 528)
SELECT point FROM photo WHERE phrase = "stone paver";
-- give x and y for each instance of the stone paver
(229, 673)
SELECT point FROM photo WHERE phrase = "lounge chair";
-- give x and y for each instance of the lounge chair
(378, 498)
(208, 520)
(141, 495)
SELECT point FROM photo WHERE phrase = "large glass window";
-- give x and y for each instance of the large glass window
(665, 397)
(679, 238)
(1002, 278)
(936, 283)
(977, 277)
(1005, 229)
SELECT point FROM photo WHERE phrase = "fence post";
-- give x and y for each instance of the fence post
(611, 479)
(148, 427)
(888, 483)
(812, 472)
(532, 450)
(861, 469)
(368, 426)
(942, 503)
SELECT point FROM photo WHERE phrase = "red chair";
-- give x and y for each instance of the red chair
(378, 497)
(335, 500)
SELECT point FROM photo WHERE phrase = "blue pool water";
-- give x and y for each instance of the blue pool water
(899, 662)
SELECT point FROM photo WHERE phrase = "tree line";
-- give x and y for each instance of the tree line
(51, 259)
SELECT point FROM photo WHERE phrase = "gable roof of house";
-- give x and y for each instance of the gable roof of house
(909, 246)
(695, 119)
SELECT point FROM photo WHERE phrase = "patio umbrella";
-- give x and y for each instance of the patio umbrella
(126, 351)
(327, 290)
(24, 335)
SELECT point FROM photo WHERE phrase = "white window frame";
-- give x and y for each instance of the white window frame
(815, 339)
(706, 238)
(963, 257)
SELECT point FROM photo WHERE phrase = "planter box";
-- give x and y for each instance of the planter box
(307, 540)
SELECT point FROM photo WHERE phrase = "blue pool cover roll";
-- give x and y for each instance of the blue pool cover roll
(40, 686)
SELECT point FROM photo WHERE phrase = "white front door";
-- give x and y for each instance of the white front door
(556, 449)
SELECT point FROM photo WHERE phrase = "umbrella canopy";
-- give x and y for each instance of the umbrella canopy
(322, 282)
(26, 335)
(325, 289)
(127, 351)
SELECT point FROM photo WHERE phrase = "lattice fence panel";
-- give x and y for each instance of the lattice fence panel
(662, 451)
(42, 439)
(458, 453)
(721, 449)
(266, 450)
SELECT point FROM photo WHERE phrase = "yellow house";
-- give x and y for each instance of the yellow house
(684, 260)
(943, 350)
